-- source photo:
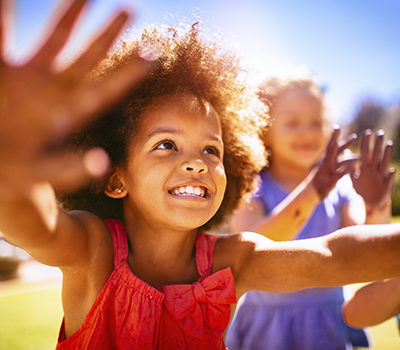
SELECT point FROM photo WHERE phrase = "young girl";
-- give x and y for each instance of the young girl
(307, 319)
(184, 149)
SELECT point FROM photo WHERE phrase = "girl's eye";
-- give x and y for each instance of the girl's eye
(212, 150)
(317, 124)
(166, 145)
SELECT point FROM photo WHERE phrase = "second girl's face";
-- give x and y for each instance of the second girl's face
(175, 176)
(298, 135)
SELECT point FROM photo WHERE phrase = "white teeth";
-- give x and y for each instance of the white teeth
(189, 191)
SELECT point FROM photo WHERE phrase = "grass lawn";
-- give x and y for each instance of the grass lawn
(30, 317)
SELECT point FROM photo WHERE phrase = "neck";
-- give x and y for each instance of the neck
(287, 175)
(160, 255)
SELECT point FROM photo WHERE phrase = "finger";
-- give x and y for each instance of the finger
(5, 19)
(98, 49)
(354, 174)
(349, 141)
(59, 35)
(377, 152)
(364, 147)
(390, 179)
(332, 147)
(95, 97)
(2, 23)
(72, 171)
(387, 153)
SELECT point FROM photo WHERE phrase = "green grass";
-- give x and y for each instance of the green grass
(30, 320)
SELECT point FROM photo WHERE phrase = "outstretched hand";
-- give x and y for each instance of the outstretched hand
(40, 105)
(373, 180)
(331, 169)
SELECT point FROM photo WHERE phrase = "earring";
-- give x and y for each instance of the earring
(119, 190)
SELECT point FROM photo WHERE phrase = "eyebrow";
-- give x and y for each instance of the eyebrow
(169, 130)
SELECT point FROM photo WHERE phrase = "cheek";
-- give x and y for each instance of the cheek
(220, 174)
(220, 180)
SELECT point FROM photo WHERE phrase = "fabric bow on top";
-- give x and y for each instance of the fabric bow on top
(209, 300)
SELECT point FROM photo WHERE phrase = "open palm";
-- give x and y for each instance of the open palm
(373, 179)
(40, 105)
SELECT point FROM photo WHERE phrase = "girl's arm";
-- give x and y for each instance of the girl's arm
(353, 254)
(288, 217)
(39, 106)
(286, 220)
(373, 303)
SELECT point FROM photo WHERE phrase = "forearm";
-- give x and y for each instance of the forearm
(373, 304)
(364, 253)
(28, 219)
(287, 219)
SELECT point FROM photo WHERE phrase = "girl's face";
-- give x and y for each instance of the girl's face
(298, 134)
(175, 176)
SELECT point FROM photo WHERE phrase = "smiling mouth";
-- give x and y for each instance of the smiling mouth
(189, 191)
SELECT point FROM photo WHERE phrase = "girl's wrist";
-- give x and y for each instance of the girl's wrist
(380, 207)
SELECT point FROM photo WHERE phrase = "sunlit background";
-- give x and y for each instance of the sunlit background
(351, 47)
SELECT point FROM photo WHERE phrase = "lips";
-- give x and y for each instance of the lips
(305, 147)
(189, 191)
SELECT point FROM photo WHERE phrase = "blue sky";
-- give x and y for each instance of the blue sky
(351, 46)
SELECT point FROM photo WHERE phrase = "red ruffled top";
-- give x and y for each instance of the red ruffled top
(131, 314)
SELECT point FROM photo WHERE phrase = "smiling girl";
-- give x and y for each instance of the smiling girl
(137, 270)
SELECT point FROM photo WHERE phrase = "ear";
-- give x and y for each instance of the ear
(115, 187)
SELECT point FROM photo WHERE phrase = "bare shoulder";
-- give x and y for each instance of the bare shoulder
(98, 240)
(236, 252)
(232, 250)
(82, 282)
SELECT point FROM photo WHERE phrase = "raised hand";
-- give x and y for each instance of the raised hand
(331, 169)
(40, 105)
(373, 179)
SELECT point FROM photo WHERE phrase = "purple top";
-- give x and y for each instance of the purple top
(307, 319)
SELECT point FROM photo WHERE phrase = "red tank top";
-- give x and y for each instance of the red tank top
(131, 314)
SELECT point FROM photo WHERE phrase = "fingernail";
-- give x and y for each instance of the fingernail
(96, 162)
(380, 132)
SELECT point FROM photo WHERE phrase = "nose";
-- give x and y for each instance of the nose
(196, 166)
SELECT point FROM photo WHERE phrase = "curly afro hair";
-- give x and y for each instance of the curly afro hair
(187, 63)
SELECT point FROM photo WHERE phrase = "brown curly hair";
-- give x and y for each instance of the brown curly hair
(187, 63)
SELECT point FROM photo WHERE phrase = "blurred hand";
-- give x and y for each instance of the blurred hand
(373, 180)
(40, 105)
(331, 169)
